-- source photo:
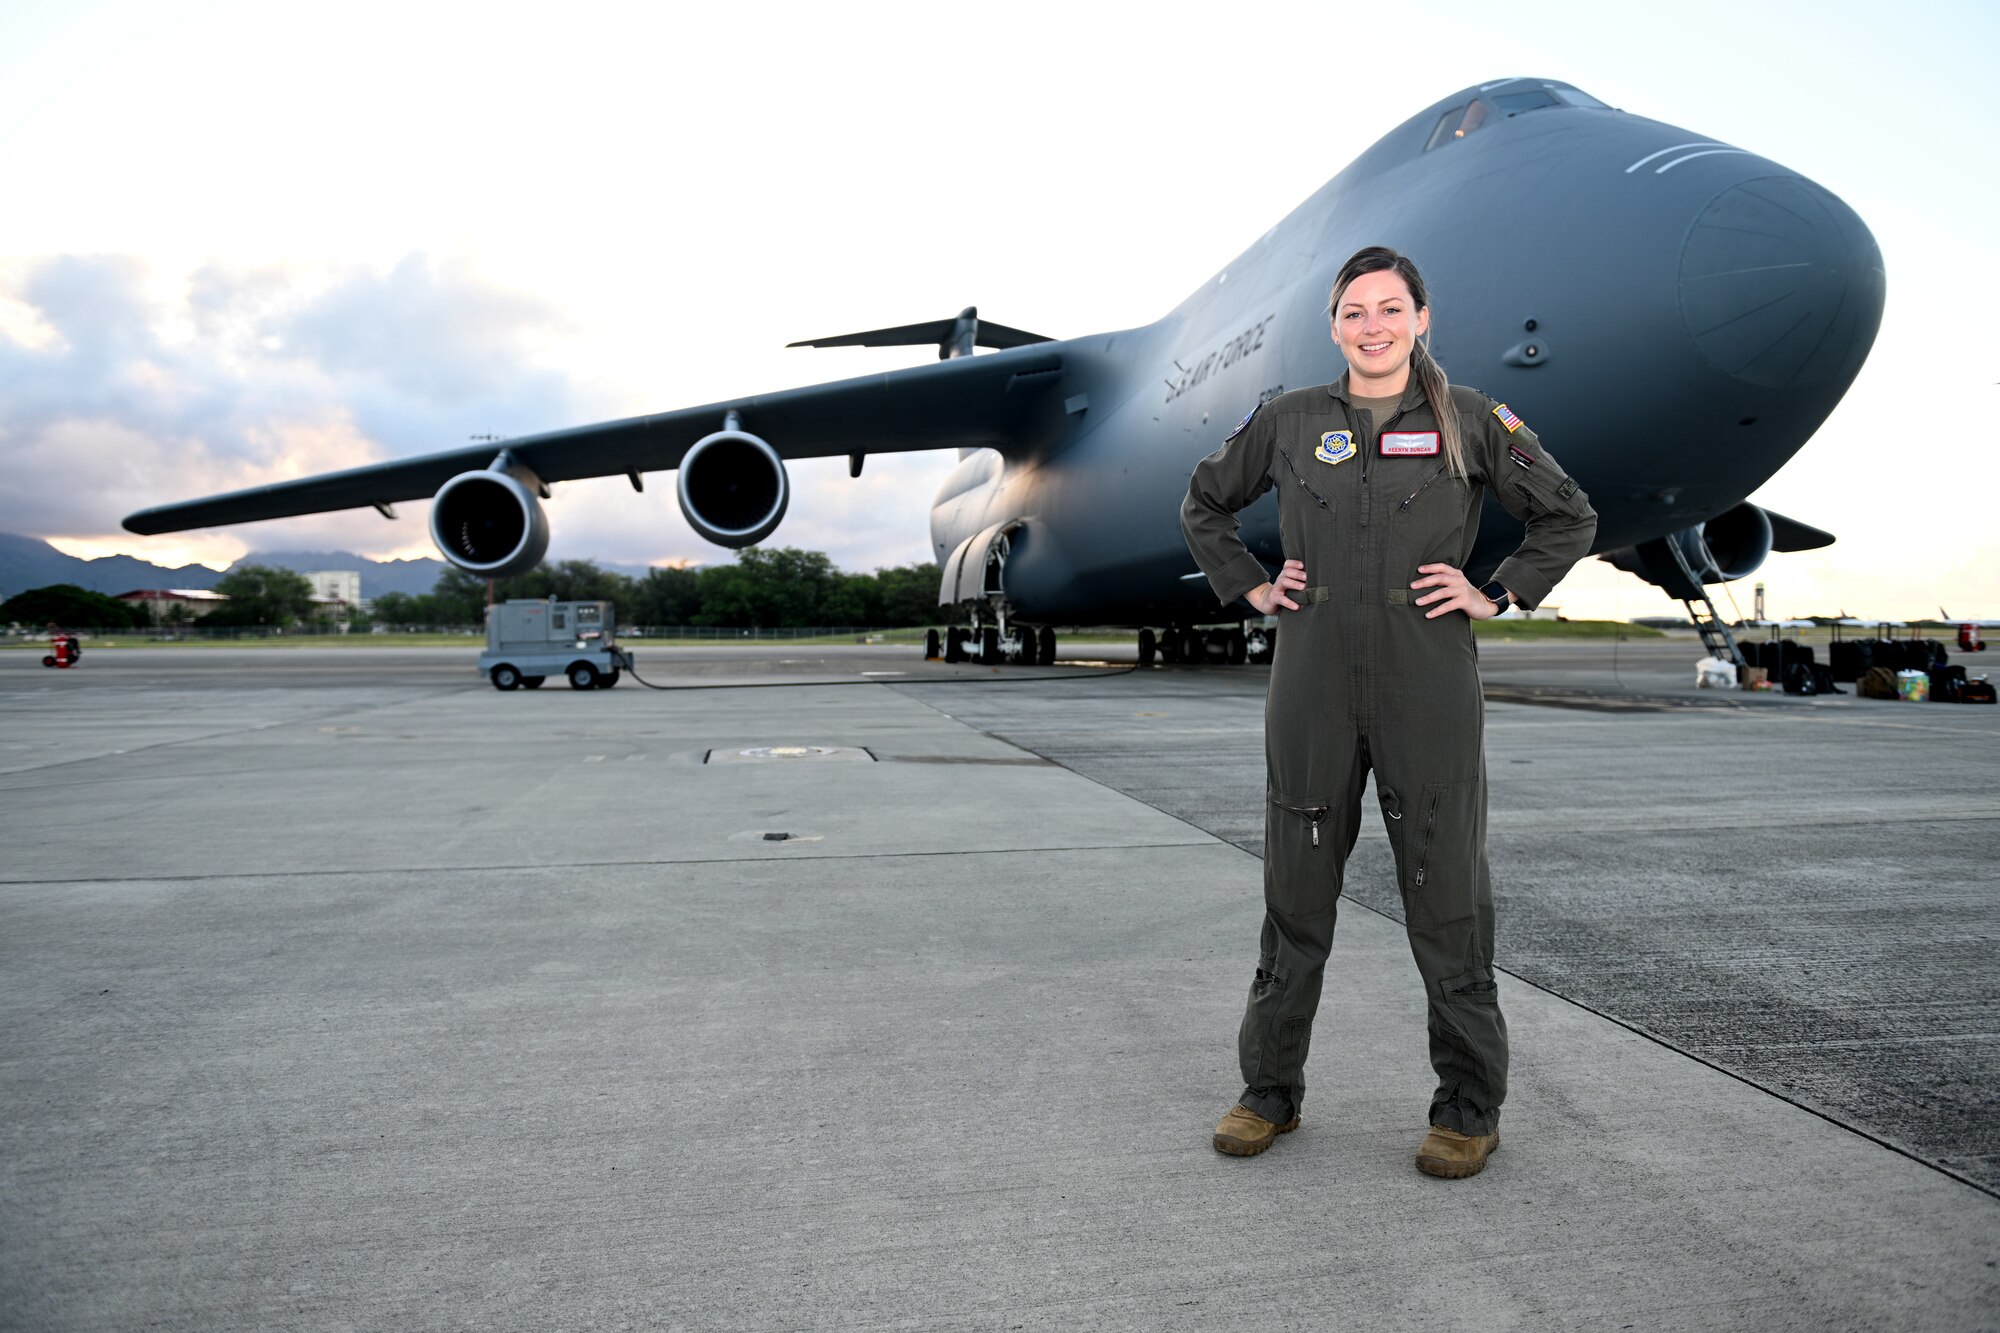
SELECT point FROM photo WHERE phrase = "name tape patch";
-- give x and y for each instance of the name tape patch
(1410, 444)
(1336, 446)
(1507, 419)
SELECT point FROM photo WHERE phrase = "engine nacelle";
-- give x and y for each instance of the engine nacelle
(491, 523)
(1737, 540)
(733, 488)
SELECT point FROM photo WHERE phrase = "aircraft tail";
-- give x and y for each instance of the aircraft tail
(953, 337)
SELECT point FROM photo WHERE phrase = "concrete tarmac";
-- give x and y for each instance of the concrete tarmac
(338, 990)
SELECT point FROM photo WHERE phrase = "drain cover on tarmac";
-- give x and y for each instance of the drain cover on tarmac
(779, 754)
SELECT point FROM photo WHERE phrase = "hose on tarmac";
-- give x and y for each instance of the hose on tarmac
(633, 672)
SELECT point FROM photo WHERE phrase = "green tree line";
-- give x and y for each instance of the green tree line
(781, 587)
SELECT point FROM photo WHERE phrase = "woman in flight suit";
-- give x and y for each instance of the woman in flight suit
(1380, 477)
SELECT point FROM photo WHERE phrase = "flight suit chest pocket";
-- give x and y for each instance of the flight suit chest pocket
(1307, 497)
(1431, 514)
(1439, 851)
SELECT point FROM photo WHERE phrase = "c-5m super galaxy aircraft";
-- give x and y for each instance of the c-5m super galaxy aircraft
(1675, 317)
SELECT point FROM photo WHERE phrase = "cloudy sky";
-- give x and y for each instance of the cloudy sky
(246, 242)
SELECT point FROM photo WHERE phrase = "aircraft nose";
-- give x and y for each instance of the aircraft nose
(1781, 284)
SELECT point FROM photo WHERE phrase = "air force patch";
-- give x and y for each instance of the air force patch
(1241, 424)
(1336, 446)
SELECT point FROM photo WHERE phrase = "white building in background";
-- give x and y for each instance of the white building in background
(341, 585)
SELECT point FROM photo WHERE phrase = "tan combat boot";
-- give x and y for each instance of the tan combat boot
(1453, 1155)
(1244, 1133)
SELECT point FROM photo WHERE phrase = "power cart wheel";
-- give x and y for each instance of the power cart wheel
(608, 679)
(532, 682)
(505, 677)
(582, 676)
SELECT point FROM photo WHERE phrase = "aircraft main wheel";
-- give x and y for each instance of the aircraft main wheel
(1026, 639)
(608, 679)
(1193, 648)
(1147, 647)
(532, 682)
(954, 644)
(931, 645)
(989, 645)
(582, 676)
(1239, 648)
(505, 677)
(1045, 646)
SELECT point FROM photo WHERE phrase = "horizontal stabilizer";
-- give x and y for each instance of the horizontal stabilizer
(952, 337)
(1788, 534)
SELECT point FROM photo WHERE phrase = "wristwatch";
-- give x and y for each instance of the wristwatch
(1496, 593)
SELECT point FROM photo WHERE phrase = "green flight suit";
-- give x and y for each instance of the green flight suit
(1362, 680)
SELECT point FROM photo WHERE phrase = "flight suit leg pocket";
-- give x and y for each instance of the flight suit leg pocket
(1441, 838)
(1301, 865)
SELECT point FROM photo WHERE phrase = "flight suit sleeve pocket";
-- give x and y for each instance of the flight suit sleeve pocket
(1440, 853)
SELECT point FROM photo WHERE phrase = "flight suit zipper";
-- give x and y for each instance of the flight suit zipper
(1300, 477)
(1404, 507)
(1430, 828)
(1315, 815)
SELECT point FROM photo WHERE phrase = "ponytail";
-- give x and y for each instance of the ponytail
(1430, 375)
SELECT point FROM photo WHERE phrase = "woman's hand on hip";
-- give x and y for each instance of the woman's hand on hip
(1270, 598)
(1452, 593)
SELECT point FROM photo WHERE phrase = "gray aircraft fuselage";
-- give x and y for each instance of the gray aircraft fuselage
(1673, 316)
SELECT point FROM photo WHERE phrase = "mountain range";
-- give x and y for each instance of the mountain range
(30, 562)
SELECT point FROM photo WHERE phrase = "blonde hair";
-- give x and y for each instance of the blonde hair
(1430, 375)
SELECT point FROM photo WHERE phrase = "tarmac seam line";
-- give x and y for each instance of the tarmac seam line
(1208, 840)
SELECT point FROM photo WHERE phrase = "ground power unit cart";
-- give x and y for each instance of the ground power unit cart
(527, 641)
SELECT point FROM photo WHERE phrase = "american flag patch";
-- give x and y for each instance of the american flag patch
(1507, 419)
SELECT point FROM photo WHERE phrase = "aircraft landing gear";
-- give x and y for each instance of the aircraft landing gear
(1184, 644)
(932, 648)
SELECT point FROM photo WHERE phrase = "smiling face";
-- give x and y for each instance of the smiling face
(1375, 325)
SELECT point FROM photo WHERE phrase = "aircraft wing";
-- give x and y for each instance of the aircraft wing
(965, 402)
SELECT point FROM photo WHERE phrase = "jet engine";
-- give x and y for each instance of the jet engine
(1728, 546)
(491, 523)
(733, 488)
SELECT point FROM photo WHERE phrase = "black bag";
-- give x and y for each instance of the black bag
(1851, 660)
(1978, 690)
(1799, 679)
(1947, 684)
(1823, 679)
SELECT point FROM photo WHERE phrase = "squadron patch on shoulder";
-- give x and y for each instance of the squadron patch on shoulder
(1507, 419)
(1336, 446)
(1241, 424)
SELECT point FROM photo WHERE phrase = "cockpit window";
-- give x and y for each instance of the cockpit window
(1575, 98)
(1513, 104)
(1460, 121)
(1457, 123)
